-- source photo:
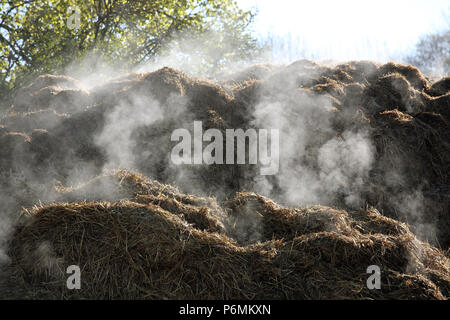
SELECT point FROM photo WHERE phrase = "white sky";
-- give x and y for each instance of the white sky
(350, 29)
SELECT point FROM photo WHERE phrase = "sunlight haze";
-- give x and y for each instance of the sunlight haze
(350, 29)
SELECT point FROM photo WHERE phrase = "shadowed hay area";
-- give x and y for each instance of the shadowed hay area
(161, 244)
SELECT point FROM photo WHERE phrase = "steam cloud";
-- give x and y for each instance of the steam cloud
(318, 162)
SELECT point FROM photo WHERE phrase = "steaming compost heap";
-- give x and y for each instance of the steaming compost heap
(370, 141)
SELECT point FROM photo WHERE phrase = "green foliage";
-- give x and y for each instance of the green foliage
(36, 38)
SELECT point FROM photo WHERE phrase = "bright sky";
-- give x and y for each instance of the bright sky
(350, 29)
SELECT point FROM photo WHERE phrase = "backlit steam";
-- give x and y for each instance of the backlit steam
(326, 152)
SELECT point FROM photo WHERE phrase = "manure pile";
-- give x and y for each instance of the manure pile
(204, 231)
(161, 244)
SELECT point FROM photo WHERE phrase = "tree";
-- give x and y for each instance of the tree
(38, 36)
(432, 54)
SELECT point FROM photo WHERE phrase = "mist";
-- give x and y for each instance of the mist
(321, 161)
